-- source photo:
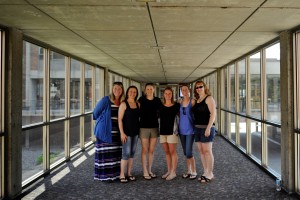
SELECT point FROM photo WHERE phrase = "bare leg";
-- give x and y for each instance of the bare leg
(209, 159)
(151, 153)
(168, 157)
(174, 157)
(129, 166)
(145, 147)
(192, 165)
(123, 168)
(188, 166)
(202, 157)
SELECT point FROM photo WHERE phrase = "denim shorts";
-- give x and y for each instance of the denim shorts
(128, 148)
(200, 135)
(187, 142)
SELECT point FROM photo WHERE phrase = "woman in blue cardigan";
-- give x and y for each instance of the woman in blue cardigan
(108, 147)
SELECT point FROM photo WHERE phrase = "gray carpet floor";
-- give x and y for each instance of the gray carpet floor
(236, 177)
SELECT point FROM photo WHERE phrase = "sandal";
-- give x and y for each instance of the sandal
(123, 180)
(152, 175)
(147, 177)
(193, 176)
(186, 175)
(165, 175)
(201, 178)
(205, 180)
(131, 178)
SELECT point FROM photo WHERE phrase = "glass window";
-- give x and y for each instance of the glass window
(273, 83)
(255, 79)
(256, 145)
(57, 141)
(32, 152)
(75, 87)
(97, 85)
(242, 86)
(57, 86)
(74, 134)
(232, 128)
(242, 132)
(33, 84)
(88, 88)
(274, 148)
(232, 87)
(88, 128)
(224, 88)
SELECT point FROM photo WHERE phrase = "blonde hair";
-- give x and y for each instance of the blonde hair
(112, 96)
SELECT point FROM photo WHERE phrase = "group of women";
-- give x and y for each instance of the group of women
(122, 119)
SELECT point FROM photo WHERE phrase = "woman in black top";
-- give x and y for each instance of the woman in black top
(128, 118)
(149, 128)
(168, 139)
(204, 114)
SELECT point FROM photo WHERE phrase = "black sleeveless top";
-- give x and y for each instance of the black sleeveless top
(131, 120)
(201, 113)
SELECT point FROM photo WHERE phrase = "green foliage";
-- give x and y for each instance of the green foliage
(39, 159)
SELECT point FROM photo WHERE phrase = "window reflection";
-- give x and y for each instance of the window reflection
(57, 86)
(256, 145)
(274, 148)
(242, 86)
(32, 152)
(87, 128)
(273, 83)
(232, 87)
(88, 88)
(74, 134)
(33, 82)
(243, 132)
(75, 87)
(232, 128)
(255, 79)
(57, 141)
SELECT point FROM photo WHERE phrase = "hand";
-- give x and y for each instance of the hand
(123, 138)
(207, 132)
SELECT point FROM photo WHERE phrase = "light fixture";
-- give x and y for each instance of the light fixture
(157, 47)
(146, 1)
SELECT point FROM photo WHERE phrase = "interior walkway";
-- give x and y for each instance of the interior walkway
(236, 177)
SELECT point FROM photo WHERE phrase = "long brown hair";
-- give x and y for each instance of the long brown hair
(170, 89)
(206, 89)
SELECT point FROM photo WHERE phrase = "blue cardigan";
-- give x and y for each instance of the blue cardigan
(103, 127)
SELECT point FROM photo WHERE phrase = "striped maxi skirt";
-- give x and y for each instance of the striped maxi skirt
(108, 159)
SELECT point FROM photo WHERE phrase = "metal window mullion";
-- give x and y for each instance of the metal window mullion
(297, 161)
(248, 106)
(228, 103)
(264, 137)
(46, 110)
(67, 107)
(93, 97)
(2, 111)
(237, 105)
(296, 105)
(82, 105)
(218, 97)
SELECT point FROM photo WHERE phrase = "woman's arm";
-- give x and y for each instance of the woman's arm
(100, 107)
(212, 109)
(122, 109)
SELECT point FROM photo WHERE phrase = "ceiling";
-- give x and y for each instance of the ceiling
(167, 41)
